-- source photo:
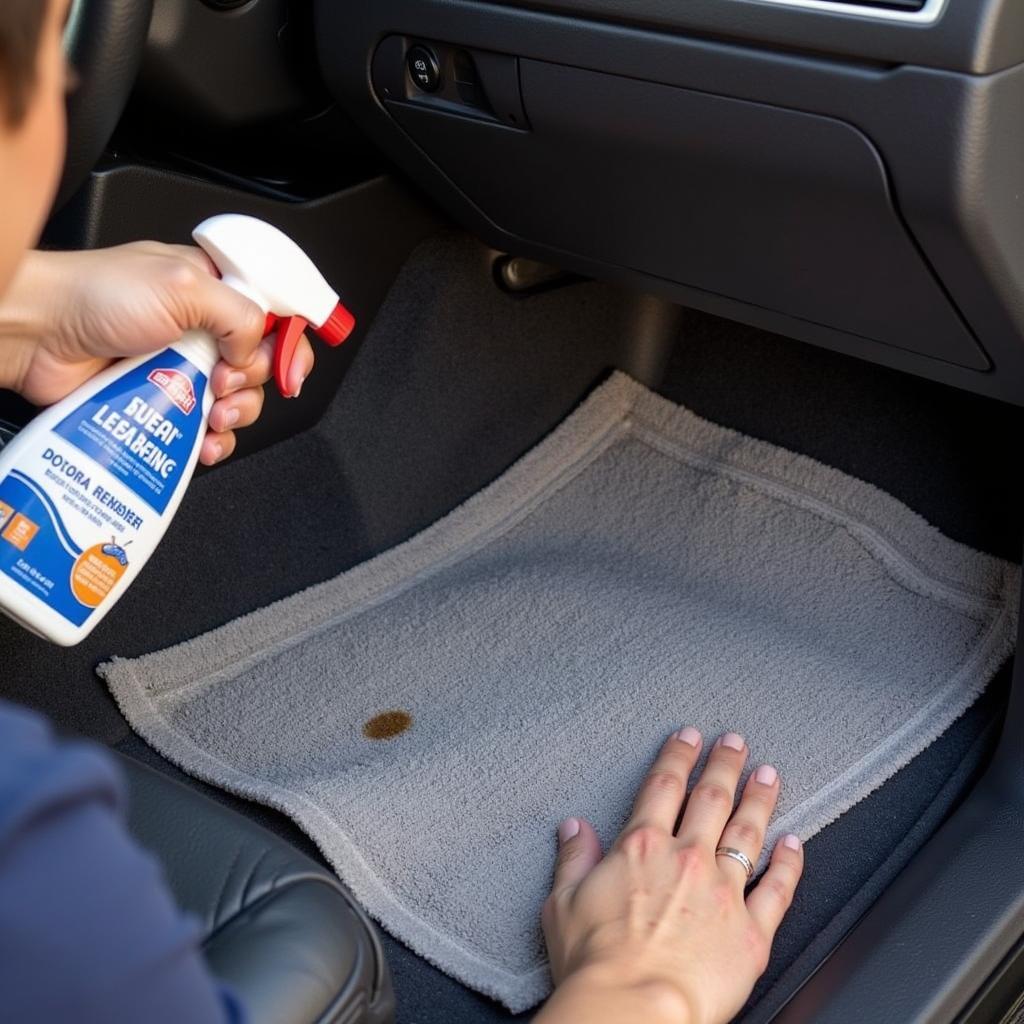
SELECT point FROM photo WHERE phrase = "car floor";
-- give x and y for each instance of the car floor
(455, 381)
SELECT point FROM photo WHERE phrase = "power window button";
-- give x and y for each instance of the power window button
(423, 68)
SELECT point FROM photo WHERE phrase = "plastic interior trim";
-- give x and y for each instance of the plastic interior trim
(927, 15)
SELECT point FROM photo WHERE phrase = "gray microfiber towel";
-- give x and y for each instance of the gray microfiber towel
(640, 570)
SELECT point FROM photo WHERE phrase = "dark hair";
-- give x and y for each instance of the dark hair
(21, 23)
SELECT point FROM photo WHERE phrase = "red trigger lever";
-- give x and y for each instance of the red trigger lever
(289, 331)
(334, 330)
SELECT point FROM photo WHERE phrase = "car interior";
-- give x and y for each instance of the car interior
(801, 219)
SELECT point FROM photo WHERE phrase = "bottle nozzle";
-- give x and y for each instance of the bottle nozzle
(338, 326)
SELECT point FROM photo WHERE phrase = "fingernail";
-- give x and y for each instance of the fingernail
(689, 735)
(766, 775)
(569, 828)
(218, 451)
(297, 390)
(230, 418)
(234, 381)
(791, 842)
(732, 740)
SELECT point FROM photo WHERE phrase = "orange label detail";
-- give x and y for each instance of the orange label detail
(94, 575)
(20, 532)
(5, 513)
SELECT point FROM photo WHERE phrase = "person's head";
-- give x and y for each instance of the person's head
(32, 85)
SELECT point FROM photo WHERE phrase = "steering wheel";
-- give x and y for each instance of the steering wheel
(104, 42)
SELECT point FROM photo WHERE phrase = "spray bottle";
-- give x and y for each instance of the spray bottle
(88, 488)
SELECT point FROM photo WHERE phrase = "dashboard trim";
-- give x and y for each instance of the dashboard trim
(927, 15)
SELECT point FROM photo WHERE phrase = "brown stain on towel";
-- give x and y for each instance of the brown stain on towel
(387, 725)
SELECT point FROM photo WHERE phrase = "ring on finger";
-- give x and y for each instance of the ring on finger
(737, 855)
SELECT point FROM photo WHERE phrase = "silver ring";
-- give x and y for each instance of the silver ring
(737, 855)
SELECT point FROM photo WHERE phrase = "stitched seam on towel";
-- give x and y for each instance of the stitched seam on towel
(985, 655)
(895, 562)
(667, 419)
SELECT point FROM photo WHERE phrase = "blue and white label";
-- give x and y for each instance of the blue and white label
(142, 426)
(83, 498)
(36, 549)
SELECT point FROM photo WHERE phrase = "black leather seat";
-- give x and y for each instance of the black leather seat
(279, 928)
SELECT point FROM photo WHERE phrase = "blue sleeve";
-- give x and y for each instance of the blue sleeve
(88, 930)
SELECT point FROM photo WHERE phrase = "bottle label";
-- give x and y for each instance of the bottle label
(89, 488)
(141, 427)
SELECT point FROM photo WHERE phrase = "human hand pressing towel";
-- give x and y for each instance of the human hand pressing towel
(662, 928)
(67, 315)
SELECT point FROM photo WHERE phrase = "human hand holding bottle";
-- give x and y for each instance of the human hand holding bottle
(67, 315)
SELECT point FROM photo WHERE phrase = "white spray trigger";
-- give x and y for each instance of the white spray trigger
(266, 266)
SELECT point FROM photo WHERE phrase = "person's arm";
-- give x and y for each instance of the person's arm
(88, 930)
(602, 997)
(66, 315)
(662, 929)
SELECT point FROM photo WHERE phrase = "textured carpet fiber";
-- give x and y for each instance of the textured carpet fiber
(428, 716)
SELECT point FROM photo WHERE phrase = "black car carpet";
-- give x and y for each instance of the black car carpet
(456, 381)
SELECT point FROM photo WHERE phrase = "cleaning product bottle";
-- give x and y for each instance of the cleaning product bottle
(88, 488)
